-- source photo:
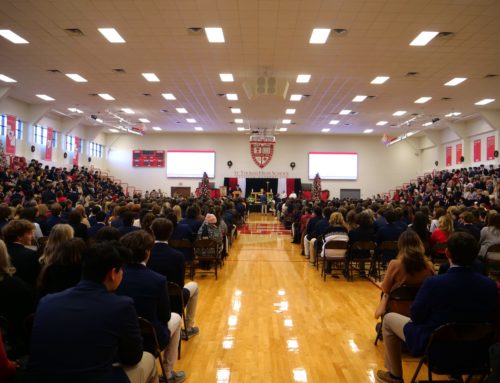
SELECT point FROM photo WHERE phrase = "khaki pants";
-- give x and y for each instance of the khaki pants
(392, 330)
(144, 371)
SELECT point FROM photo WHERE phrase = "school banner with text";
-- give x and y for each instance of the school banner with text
(77, 151)
(477, 150)
(48, 145)
(10, 136)
(448, 155)
(490, 148)
(458, 154)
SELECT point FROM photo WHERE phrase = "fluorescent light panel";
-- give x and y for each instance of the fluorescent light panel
(455, 81)
(453, 114)
(106, 96)
(290, 111)
(286, 121)
(485, 101)
(295, 97)
(379, 80)
(112, 35)
(12, 37)
(283, 129)
(226, 77)
(191, 120)
(236, 110)
(151, 77)
(334, 122)
(75, 110)
(157, 128)
(240, 129)
(359, 98)
(399, 113)
(343, 112)
(238, 120)
(381, 123)
(168, 96)
(76, 77)
(422, 100)
(215, 35)
(423, 38)
(319, 35)
(325, 130)
(366, 131)
(198, 128)
(45, 97)
(114, 130)
(303, 78)
(232, 97)
(128, 110)
(5, 78)
(181, 110)
(427, 123)
(144, 120)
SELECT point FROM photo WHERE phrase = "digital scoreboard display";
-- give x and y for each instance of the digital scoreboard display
(148, 158)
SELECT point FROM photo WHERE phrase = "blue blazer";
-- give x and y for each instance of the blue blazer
(80, 332)
(92, 230)
(460, 295)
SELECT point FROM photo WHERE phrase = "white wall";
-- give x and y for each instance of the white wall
(379, 168)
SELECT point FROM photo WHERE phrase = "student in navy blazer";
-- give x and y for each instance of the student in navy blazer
(460, 295)
(100, 223)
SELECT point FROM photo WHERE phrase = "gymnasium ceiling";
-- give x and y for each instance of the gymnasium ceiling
(263, 38)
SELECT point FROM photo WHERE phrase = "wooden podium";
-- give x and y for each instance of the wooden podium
(181, 191)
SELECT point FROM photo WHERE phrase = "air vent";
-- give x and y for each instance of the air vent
(371, 97)
(221, 94)
(53, 70)
(119, 70)
(411, 74)
(491, 75)
(444, 34)
(347, 124)
(446, 98)
(414, 114)
(353, 113)
(164, 110)
(195, 31)
(306, 95)
(147, 94)
(76, 32)
(340, 32)
(93, 94)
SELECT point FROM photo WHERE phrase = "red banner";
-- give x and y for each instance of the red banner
(458, 154)
(10, 136)
(490, 148)
(48, 145)
(77, 151)
(477, 150)
(448, 155)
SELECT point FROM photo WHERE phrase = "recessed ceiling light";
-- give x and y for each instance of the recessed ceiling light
(168, 96)
(290, 111)
(151, 77)
(45, 97)
(381, 123)
(226, 77)
(99, 120)
(5, 78)
(157, 128)
(128, 110)
(112, 35)
(303, 78)
(334, 122)
(399, 113)
(286, 121)
(409, 134)
(427, 123)
(12, 37)
(235, 110)
(345, 111)
(191, 120)
(144, 120)
(319, 35)
(114, 130)
(325, 130)
(240, 129)
(367, 130)
(198, 128)
(453, 114)
(106, 96)
(181, 110)
(76, 77)
(455, 81)
(215, 35)
(422, 100)
(485, 101)
(295, 97)
(379, 80)
(423, 38)
(282, 129)
(359, 98)
(75, 110)
(232, 97)
(238, 120)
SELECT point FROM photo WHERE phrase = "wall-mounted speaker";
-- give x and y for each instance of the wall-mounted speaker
(89, 159)
(436, 163)
(462, 159)
(65, 155)
(33, 148)
(495, 153)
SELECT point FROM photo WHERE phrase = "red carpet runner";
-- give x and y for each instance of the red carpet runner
(263, 228)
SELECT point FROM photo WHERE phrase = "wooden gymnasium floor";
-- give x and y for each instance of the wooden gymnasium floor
(271, 318)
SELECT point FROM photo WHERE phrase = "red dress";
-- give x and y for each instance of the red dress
(439, 236)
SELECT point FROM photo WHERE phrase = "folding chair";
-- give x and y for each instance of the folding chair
(206, 253)
(176, 296)
(465, 346)
(148, 334)
(355, 259)
(403, 293)
(334, 252)
(492, 260)
(185, 247)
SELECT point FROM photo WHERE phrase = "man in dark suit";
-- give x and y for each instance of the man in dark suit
(170, 263)
(18, 234)
(81, 333)
(100, 223)
(460, 295)
(149, 291)
(54, 219)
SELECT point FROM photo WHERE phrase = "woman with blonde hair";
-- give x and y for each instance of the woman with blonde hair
(79, 208)
(410, 267)
(178, 212)
(60, 233)
(442, 232)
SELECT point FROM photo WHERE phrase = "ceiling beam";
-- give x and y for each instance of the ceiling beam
(36, 113)
(4, 91)
(459, 128)
(492, 117)
(68, 125)
(434, 136)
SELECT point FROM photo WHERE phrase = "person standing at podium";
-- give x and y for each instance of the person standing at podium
(263, 202)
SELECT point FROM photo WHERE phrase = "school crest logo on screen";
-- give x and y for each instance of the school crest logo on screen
(262, 149)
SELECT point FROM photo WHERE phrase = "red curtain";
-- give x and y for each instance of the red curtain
(290, 186)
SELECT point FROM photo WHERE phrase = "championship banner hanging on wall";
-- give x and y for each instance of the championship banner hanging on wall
(77, 151)
(10, 136)
(48, 145)
(262, 149)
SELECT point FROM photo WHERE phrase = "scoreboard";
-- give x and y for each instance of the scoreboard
(148, 158)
